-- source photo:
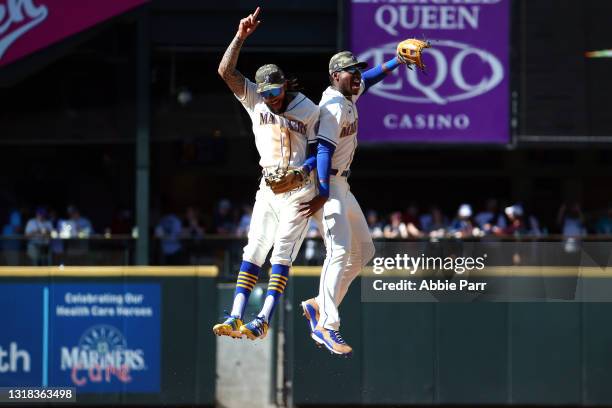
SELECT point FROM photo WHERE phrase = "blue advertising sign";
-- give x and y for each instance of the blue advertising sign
(95, 337)
(105, 337)
(21, 335)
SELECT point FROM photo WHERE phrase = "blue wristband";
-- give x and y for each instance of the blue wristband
(379, 72)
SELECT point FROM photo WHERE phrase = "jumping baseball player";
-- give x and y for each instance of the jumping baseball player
(344, 227)
(284, 124)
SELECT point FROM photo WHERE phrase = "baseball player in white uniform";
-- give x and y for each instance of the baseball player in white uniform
(342, 223)
(284, 125)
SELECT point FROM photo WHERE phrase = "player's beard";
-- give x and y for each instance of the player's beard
(342, 88)
(346, 92)
(283, 106)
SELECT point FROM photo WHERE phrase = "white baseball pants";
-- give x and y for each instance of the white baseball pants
(276, 222)
(349, 248)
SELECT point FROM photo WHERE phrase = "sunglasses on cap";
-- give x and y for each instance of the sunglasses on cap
(271, 93)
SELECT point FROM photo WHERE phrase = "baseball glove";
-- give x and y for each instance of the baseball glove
(282, 180)
(410, 52)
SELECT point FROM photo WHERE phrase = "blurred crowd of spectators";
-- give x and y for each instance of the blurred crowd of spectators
(45, 229)
(491, 220)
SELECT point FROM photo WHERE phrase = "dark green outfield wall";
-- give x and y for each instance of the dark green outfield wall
(406, 353)
(457, 353)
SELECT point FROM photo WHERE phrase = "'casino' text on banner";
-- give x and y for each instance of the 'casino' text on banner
(464, 95)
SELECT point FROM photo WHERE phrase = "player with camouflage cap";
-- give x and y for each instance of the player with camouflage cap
(343, 60)
(268, 77)
(341, 221)
(284, 123)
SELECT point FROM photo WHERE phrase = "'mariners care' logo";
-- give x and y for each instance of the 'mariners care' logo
(102, 356)
(17, 17)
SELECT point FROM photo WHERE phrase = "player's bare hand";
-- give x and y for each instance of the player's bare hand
(311, 207)
(248, 25)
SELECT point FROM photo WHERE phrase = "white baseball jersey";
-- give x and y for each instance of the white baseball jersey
(341, 221)
(276, 221)
(336, 111)
(274, 148)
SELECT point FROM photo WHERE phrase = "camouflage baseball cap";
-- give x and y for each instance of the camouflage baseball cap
(268, 77)
(345, 59)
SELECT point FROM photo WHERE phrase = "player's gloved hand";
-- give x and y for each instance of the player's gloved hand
(311, 207)
(410, 52)
(248, 25)
(291, 180)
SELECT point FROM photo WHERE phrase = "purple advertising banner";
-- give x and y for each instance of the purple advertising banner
(464, 95)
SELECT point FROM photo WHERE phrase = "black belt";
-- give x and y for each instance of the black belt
(345, 173)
